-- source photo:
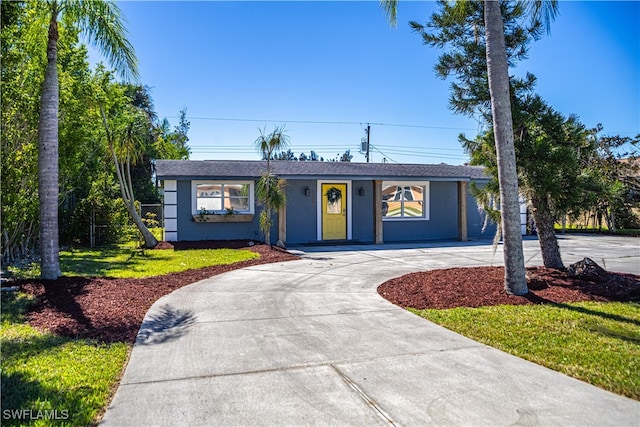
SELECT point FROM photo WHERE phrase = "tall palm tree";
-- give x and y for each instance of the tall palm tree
(498, 77)
(270, 189)
(102, 21)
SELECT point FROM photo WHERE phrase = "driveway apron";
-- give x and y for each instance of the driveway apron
(310, 342)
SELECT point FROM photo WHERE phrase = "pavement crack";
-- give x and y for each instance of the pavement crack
(364, 396)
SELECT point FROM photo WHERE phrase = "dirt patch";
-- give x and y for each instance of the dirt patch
(483, 286)
(112, 310)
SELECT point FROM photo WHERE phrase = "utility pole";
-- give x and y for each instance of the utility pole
(364, 143)
(368, 141)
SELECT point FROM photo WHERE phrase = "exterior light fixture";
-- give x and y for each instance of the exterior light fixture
(361, 191)
(307, 191)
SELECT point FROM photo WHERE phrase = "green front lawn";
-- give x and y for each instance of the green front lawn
(595, 342)
(53, 380)
(124, 262)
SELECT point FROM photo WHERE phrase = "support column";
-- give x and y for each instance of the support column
(282, 224)
(377, 209)
(462, 211)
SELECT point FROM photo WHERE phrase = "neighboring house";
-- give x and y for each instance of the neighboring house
(326, 201)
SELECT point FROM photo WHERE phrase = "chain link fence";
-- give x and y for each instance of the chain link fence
(152, 215)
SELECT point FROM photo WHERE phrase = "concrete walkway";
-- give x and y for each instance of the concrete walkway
(310, 342)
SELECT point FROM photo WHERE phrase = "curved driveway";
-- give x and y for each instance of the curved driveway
(310, 342)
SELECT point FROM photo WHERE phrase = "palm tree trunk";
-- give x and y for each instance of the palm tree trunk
(48, 160)
(551, 257)
(127, 195)
(498, 76)
(126, 188)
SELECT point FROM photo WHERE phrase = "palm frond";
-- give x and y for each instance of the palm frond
(102, 21)
(543, 11)
(390, 8)
(269, 144)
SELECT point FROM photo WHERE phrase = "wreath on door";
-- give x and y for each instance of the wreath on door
(333, 195)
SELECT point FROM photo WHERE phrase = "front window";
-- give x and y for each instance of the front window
(222, 196)
(405, 200)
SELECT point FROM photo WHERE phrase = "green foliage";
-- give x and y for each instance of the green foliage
(285, 155)
(458, 30)
(86, 170)
(102, 209)
(346, 156)
(610, 173)
(269, 189)
(172, 144)
(20, 87)
(595, 342)
(269, 144)
(44, 372)
(265, 222)
(150, 219)
(289, 155)
(547, 148)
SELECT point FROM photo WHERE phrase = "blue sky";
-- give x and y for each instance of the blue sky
(326, 69)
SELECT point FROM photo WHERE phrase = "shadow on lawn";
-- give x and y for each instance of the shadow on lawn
(28, 401)
(540, 300)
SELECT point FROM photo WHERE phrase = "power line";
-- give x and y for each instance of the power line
(385, 156)
(417, 150)
(318, 122)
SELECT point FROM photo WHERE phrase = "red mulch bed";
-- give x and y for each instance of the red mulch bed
(482, 286)
(112, 310)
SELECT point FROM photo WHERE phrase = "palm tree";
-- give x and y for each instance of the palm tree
(102, 22)
(124, 141)
(270, 189)
(498, 76)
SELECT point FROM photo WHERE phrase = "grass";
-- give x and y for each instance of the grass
(598, 343)
(47, 379)
(125, 262)
(596, 230)
(53, 380)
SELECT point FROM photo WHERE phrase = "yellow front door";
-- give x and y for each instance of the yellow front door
(334, 211)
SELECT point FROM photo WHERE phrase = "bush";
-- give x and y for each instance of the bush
(102, 214)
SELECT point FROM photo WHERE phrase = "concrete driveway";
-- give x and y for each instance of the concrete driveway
(310, 342)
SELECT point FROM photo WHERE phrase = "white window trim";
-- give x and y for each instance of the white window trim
(425, 202)
(194, 194)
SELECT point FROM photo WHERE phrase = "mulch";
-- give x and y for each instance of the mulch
(112, 310)
(484, 286)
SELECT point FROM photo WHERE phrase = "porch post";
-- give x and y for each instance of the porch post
(462, 211)
(282, 224)
(377, 211)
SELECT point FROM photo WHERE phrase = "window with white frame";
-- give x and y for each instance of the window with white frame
(405, 200)
(215, 197)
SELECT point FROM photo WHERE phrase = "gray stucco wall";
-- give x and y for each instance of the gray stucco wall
(475, 220)
(443, 218)
(190, 230)
(362, 211)
(301, 211)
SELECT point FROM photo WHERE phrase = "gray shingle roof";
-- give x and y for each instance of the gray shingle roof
(217, 169)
